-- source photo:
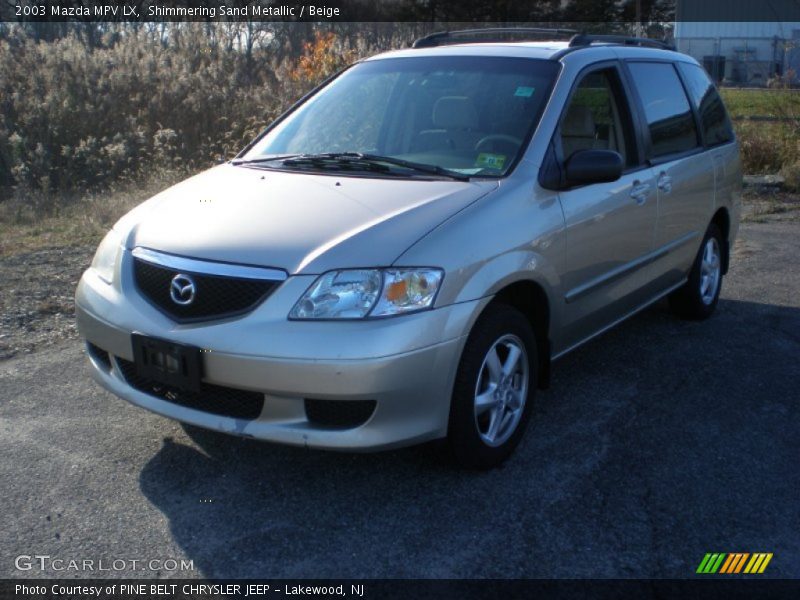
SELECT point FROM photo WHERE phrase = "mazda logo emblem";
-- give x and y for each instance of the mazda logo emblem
(182, 289)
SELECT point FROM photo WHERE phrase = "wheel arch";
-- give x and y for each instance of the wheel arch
(531, 299)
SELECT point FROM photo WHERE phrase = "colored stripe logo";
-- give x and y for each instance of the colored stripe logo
(731, 563)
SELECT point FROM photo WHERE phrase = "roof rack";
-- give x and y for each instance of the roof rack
(586, 39)
(441, 38)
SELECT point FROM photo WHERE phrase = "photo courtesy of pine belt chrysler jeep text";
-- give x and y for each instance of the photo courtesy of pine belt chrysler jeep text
(402, 255)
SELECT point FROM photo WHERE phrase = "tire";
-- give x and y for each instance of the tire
(698, 298)
(482, 437)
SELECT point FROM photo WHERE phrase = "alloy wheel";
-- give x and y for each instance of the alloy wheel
(501, 390)
(710, 271)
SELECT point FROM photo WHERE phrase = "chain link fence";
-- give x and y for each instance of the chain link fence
(747, 62)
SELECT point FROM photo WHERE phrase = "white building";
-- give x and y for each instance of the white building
(748, 52)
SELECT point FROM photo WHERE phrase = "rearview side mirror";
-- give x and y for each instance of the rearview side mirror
(593, 166)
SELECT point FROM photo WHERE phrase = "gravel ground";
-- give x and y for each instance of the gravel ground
(658, 442)
(37, 298)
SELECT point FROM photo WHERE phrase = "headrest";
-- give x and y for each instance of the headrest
(579, 122)
(455, 112)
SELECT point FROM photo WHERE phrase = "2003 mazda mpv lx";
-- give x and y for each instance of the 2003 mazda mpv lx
(401, 255)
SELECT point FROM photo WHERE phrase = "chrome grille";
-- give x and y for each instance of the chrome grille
(218, 291)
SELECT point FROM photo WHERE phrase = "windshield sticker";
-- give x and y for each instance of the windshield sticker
(524, 92)
(486, 160)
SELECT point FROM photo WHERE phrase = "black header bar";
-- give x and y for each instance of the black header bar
(465, 11)
(708, 588)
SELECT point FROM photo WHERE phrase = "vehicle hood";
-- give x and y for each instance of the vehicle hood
(299, 222)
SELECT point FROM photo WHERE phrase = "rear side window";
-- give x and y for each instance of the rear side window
(714, 120)
(666, 108)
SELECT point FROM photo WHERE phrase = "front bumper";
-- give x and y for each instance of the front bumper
(405, 364)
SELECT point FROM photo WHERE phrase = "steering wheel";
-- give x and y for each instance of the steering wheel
(485, 141)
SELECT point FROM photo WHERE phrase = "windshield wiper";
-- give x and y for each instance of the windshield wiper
(334, 160)
(261, 159)
(415, 166)
(350, 159)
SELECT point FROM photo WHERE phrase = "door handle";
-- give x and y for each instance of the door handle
(664, 183)
(640, 191)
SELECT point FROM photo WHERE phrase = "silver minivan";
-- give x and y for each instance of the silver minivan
(402, 255)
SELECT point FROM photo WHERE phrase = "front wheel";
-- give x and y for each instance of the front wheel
(698, 297)
(494, 388)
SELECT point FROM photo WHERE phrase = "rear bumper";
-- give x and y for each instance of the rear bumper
(411, 387)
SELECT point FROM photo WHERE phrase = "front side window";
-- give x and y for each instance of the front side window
(469, 115)
(594, 118)
(713, 117)
(666, 108)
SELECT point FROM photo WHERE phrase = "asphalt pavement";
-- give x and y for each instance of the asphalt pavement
(657, 443)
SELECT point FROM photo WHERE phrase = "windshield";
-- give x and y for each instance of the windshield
(468, 115)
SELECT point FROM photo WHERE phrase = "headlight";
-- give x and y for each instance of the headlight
(105, 259)
(407, 290)
(366, 293)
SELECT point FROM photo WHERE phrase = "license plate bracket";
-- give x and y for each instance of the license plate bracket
(166, 362)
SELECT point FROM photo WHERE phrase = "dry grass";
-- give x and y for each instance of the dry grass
(791, 175)
(762, 206)
(762, 102)
(767, 146)
(28, 224)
